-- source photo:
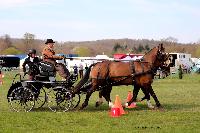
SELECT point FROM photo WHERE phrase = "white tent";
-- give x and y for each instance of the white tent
(102, 57)
(127, 58)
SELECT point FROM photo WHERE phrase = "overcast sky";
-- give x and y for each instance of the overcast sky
(81, 20)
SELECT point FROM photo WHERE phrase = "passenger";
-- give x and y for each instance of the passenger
(32, 62)
(49, 56)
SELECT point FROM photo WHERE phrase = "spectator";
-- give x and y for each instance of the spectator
(81, 71)
(86, 67)
(75, 69)
(180, 72)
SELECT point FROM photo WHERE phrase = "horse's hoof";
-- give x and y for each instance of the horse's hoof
(138, 100)
(152, 107)
(81, 108)
(160, 108)
(125, 105)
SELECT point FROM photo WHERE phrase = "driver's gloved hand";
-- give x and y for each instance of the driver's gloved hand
(25, 73)
(63, 57)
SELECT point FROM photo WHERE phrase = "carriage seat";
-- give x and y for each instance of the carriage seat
(47, 72)
(47, 69)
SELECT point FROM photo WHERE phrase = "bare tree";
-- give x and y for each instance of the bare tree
(198, 42)
(170, 39)
(5, 42)
(28, 41)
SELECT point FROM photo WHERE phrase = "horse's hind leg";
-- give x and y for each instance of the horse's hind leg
(146, 94)
(135, 93)
(106, 94)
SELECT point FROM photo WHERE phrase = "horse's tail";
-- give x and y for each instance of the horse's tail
(83, 80)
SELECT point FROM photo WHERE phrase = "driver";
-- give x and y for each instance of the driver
(49, 56)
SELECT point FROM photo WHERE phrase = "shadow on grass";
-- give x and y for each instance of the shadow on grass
(143, 107)
(178, 107)
(140, 107)
(41, 109)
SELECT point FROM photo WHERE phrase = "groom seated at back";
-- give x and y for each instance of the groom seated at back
(49, 56)
(32, 62)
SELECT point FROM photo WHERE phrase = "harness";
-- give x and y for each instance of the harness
(122, 78)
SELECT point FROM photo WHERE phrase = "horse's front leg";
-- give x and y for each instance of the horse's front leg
(147, 96)
(154, 97)
(146, 90)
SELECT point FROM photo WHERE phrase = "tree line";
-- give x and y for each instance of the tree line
(9, 45)
(135, 49)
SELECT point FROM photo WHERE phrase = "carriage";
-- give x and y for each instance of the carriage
(62, 95)
(24, 95)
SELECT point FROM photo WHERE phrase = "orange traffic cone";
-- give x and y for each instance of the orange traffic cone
(115, 112)
(119, 105)
(129, 97)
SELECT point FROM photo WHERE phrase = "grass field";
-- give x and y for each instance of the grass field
(180, 98)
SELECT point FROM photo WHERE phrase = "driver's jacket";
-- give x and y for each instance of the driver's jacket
(49, 55)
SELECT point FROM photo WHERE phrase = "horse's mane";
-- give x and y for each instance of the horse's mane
(147, 53)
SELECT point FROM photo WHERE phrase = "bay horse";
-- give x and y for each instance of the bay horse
(104, 75)
(146, 58)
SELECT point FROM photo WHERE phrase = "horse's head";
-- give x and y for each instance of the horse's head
(163, 59)
(156, 56)
(161, 56)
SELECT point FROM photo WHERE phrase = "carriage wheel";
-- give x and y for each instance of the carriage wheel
(21, 99)
(63, 99)
(40, 98)
(75, 101)
(59, 100)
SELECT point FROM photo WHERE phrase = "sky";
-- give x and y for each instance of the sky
(88, 20)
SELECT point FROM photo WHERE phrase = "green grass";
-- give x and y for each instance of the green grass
(180, 99)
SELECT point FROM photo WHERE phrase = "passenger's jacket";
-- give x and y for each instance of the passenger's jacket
(32, 64)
